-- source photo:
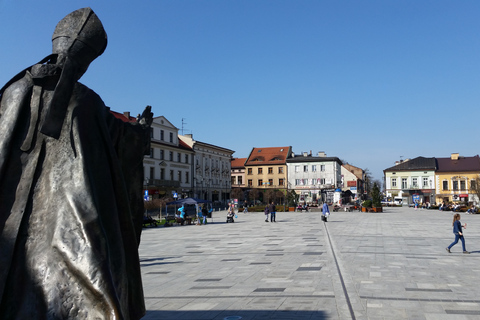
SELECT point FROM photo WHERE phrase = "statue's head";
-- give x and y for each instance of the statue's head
(80, 37)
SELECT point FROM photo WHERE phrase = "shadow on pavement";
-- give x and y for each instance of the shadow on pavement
(235, 315)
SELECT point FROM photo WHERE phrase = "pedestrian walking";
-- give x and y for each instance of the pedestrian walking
(325, 212)
(457, 230)
(273, 211)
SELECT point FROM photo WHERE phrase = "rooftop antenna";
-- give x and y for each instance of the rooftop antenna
(183, 122)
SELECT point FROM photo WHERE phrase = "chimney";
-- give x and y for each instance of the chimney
(127, 115)
(189, 135)
(293, 154)
(322, 154)
(454, 156)
(305, 154)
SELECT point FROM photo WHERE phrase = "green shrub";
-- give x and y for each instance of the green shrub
(367, 204)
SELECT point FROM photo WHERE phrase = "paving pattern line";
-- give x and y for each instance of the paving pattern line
(350, 308)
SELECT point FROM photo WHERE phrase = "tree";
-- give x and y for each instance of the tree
(237, 193)
(253, 194)
(269, 196)
(279, 195)
(376, 196)
(475, 188)
(292, 198)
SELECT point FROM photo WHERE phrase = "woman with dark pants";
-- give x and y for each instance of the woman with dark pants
(457, 230)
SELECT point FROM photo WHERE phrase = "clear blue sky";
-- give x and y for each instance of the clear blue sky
(366, 81)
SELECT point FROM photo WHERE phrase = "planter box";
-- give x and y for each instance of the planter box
(291, 208)
(364, 209)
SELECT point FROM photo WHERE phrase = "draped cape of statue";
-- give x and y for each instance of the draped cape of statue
(70, 205)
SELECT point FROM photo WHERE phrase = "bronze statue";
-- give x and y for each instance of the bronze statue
(70, 189)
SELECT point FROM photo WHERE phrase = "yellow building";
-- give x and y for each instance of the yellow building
(266, 168)
(455, 178)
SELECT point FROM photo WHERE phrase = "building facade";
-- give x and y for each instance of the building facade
(168, 167)
(455, 179)
(314, 178)
(411, 179)
(211, 170)
(238, 173)
(266, 168)
(353, 181)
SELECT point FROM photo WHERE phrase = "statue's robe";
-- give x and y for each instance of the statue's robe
(70, 207)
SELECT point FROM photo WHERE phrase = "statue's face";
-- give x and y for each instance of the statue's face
(74, 50)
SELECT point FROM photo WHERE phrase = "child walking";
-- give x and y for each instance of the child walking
(457, 230)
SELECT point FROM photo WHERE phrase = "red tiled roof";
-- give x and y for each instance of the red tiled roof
(267, 156)
(238, 162)
(122, 117)
(182, 144)
(462, 164)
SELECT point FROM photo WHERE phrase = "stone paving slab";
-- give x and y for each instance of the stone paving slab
(390, 265)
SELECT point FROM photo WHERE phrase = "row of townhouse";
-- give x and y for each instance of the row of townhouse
(434, 180)
(181, 166)
(313, 178)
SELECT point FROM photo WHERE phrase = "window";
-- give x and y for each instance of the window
(394, 182)
(179, 157)
(414, 182)
(297, 182)
(180, 176)
(151, 152)
(280, 182)
(171, 175)
(186, 158)
(462, 185)
(249, 171)
(187, 177)
(314, 168)
(322, 167)
(445, 185)
(162, 174)
(260, 182)
(260, 170)
(473, 184)
(404, 183)
(322, 180)
(305, 168)
(425, 182)
(171, 155)
(162, 155)
(270, 182)
(280, 169)
(162, 135)
(270, 170)
(297, 168)
(250, 182)
(152, 173)
(171, 137)
(240, 180)
(233, 180)
(455, 185)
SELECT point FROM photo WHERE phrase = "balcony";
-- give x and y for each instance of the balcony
(162, 183)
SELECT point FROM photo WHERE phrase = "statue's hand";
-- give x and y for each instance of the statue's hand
(147, 117)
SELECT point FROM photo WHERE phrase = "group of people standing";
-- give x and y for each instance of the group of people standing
(272, 210)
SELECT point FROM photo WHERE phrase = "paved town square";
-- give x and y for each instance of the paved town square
(390, 265)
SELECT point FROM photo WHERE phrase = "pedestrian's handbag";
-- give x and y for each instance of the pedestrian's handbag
(236, 216)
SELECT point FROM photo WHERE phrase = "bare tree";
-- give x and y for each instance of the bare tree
(237, 193)
(269, 195)
(253, 195)
(475, 188)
